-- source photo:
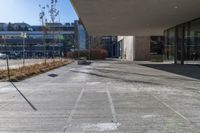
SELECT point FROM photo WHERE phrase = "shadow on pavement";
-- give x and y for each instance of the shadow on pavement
(31, 105)
(140, 74)
(192, 71)
(117, 78)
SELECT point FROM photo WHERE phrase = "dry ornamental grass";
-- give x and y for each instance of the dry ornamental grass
(31, 70)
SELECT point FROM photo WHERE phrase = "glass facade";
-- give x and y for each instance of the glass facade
(193, 51)
(82, 37)
(156, 47)
(182, 43)
(170, 44)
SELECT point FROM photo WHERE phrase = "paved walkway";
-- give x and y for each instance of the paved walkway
(106, 97)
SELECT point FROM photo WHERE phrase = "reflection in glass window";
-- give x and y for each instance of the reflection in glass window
(188, 34)
(194, 46)
(169, 44)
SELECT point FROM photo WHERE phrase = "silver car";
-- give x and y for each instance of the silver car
(3, 56)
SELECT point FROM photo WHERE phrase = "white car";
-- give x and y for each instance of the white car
(3, 56)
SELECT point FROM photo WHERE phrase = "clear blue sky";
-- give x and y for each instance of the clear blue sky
(28, 11)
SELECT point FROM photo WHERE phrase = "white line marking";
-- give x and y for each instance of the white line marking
(73, 110)
(111, 106)
(168, 106)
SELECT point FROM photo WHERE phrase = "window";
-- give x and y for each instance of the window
(184, 40)
(170, 44)
(194, 45)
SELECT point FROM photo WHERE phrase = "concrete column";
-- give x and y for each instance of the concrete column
(128, 47)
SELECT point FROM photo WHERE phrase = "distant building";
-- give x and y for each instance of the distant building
(64, 37)
(111, 45)
(35, 32)
(36, 28)
(21, 26)
(80, 35)
(57, 37)
(3, 26)
(107, 42)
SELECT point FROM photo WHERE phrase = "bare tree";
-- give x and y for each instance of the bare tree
(43, 19)
(54, 12)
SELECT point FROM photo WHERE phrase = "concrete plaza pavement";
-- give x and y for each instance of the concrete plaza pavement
(105, 97)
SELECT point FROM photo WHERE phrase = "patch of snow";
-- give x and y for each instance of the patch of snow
(101, 127)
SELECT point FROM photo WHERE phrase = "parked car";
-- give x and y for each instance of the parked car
(14, 55)
(3, 56)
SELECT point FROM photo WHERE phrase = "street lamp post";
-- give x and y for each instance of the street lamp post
(23, 35)
(7, 58)
(45, 45)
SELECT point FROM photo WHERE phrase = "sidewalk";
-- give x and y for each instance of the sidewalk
(105, 97)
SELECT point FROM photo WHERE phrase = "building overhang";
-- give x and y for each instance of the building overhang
(134, 17)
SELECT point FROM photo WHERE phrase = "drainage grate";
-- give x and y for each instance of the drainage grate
(53, 75)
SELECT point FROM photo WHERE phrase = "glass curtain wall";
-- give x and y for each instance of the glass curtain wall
(182, 43)
(193, 51)
(179, 51)
(170, 44)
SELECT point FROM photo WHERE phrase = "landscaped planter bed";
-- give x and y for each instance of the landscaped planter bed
(22, 73)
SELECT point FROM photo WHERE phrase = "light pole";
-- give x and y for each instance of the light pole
(24, 36)
(7, 58)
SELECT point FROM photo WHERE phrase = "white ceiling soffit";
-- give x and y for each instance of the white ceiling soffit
(134, 17)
